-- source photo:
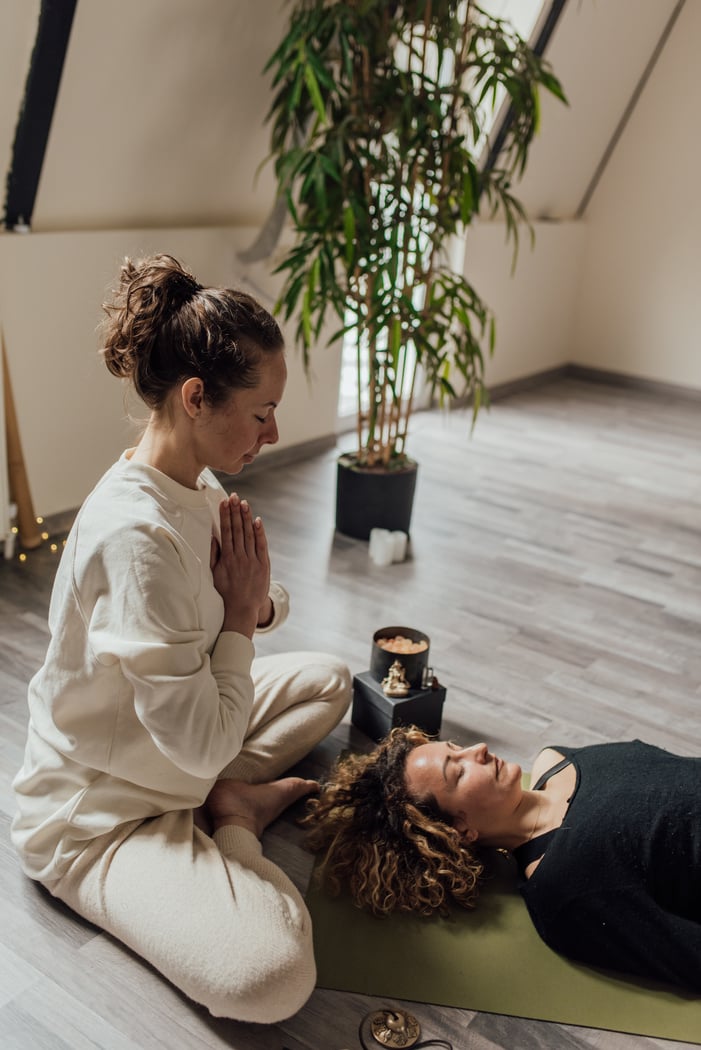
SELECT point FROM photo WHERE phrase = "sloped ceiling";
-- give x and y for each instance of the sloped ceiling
(601, 50)
(18, 23)
(160, 117)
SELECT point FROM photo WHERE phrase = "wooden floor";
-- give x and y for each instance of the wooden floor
(556, 566)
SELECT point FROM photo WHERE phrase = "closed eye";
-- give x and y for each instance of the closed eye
(452, 746)
(262, 419)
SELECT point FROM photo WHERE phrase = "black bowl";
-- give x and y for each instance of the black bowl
(414, 664)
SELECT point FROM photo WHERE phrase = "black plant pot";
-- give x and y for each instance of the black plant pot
(368, 498)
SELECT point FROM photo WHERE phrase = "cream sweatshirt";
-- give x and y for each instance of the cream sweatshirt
(141, 701)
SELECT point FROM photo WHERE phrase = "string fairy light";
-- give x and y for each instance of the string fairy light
(13, 535)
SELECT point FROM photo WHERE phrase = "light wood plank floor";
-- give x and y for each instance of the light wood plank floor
(555, 564)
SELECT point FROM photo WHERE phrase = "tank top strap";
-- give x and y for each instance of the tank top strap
(545, 777)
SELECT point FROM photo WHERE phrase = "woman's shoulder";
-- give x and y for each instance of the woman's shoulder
(123, 523)
(547, 758)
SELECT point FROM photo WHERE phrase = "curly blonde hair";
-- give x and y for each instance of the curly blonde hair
(392, 852)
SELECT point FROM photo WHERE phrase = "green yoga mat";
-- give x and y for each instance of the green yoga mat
(490, 959)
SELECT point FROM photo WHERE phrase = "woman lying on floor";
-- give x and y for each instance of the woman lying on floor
(607, 842)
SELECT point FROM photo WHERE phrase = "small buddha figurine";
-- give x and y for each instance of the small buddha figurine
(395, 684)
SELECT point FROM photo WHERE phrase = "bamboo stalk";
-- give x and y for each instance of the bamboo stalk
(393, 428)
(20, 494)
(383, 411)
(419, 274)
(428, 272)
(359, 378)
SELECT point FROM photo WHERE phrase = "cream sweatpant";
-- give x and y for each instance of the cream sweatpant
(213, 915)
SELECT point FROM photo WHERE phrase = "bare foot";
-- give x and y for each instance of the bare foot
(254, 806)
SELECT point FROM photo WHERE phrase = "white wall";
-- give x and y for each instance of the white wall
(618, 290)
(71, 411)
(638, 306)
(160, 116)
(534, 304)
(599, 50)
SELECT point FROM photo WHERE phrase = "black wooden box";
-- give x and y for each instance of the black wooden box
(376, 714)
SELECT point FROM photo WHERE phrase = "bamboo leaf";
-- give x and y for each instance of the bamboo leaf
(294, 96)
(306, 321)
(329, 167)
(467, 202)
(536, 109)
(314, 92)
(554, 86)
(476, 403)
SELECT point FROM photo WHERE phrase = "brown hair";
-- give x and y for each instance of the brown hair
(392, 852)
(162, 326)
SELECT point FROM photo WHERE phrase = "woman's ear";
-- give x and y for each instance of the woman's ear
(192, 396)
(466, 832)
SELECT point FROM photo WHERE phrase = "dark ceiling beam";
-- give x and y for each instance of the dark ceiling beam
(36, 112)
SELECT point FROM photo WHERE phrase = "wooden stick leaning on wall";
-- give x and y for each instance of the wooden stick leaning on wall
(20, 494)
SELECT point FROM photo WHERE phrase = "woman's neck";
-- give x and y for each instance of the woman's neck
(535, 814)
(161, 447)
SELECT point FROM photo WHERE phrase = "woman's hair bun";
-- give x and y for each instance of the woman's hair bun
(182, 284)
(149, 291)
(162, 325)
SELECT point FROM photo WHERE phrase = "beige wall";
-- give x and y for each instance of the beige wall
(619, 289)
(637, 305)
(599, 50)
(160, 116)
(71, 411)
(18, 23)
(534, 304)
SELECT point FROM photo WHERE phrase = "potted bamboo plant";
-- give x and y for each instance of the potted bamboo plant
(378, 138)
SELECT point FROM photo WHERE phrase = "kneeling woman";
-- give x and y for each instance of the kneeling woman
(607, 842)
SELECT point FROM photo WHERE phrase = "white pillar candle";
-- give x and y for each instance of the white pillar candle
(381, 548)
(399, 543)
